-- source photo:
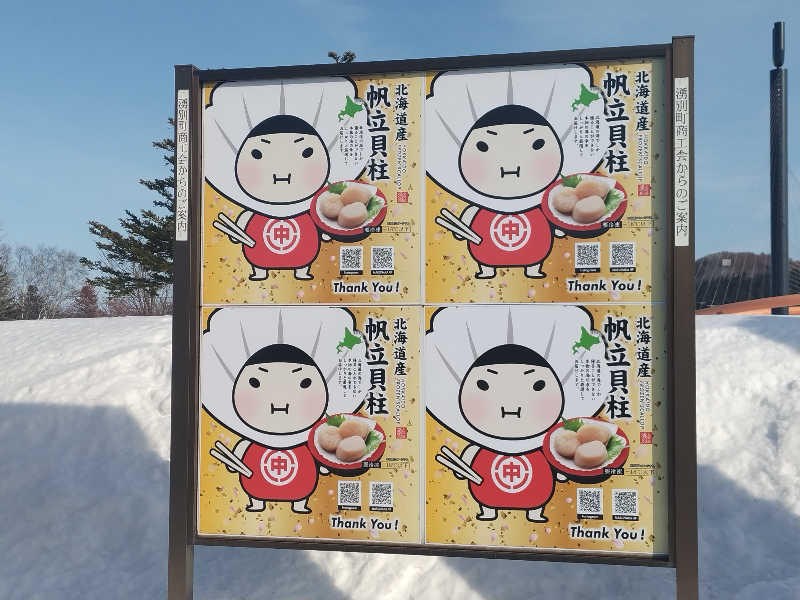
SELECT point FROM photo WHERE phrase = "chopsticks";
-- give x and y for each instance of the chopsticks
(228, 227)
(453, 462)
(452, 223)
(228, 458)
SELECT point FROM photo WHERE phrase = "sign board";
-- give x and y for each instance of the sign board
(428, 307)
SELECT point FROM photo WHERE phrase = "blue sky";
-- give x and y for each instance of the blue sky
(87, 86)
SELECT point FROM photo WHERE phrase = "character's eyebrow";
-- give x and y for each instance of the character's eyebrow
(528, 371)
(263, 369)
(492, 371)
(265, 140)
(490, 132)
(300, 139)
(297, 369)
(528, 130)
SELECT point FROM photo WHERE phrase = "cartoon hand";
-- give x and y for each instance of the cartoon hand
(234, 240)
(558, 233)
(458, 475)
(459, 238)
(326, 237)
(230, 470)
(560, 476)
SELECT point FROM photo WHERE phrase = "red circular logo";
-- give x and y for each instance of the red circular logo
(281, 235)
(512, 474)
(510, 232)
(279, 467)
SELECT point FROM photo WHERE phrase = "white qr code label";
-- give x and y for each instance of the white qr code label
(351, 260)
(625, 505)
(587, 257)
(382, 260)
(348, 495)
(622, 256)
(589, 503)
(381, 497)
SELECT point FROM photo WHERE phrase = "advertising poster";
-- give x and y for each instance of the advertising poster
(433, 309)
(334, 217)
(310, 423)
(541, 428)
(542, 185)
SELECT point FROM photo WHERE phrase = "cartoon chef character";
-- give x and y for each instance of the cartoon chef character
(269, 147)
(497, 140)
(512, 376)
(273, 396)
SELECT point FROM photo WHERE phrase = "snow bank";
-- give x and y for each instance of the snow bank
(84, 419)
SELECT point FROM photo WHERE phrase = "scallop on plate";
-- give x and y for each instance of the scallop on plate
(347, 210)
(584, 204)
(344, 441)
(563, 452)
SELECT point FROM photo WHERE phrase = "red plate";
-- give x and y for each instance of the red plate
(324, 457)
(569, 467)
(333, 229)
(577, 229)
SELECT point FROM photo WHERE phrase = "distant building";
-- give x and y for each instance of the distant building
(725, 277)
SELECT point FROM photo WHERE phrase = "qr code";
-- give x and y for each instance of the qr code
(587, 257)
(622, 256)
(382, 260)
(351, 260)
(349, 493)
(380, 495)
(589, 503)
(625, 505)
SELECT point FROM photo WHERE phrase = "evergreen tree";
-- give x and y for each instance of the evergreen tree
(136, 262)
(85, 303)
(32, 304)
(348, 56)
(8, 307)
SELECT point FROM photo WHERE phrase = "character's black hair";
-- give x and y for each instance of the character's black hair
(511, 354)
(510, 113)
(280, 353)
(282, 124)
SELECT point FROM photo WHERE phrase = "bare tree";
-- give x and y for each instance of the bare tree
(141, 301)
(49, 275)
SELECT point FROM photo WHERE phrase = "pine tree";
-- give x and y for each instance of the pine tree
(136, 263)
(8, 307)
(85, 303)
(347, 57)
(32, 303)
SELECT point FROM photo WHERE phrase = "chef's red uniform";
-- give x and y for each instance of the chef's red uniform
(279, 474)
(514, 240)
(512, 481)
(282, 243)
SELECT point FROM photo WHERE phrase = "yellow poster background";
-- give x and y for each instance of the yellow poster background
(221, 501)
(450, 269)
(225, 269)
(450, 510)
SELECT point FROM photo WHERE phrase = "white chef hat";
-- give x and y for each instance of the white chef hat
(234, 334)
(459, 98)
(460, 334)
(235, 108)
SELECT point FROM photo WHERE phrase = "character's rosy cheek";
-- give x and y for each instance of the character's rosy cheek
(249, 405)
(476, 170)
(545, 165)
(476, 406)
(313, 171)
(310, 404)
(546, 408)
(251, 175)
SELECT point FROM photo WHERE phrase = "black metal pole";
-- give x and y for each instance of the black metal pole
(779, 197)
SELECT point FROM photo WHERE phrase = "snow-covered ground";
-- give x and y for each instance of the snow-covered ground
(84, 482)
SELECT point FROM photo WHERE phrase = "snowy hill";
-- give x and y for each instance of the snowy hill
(84, 420)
